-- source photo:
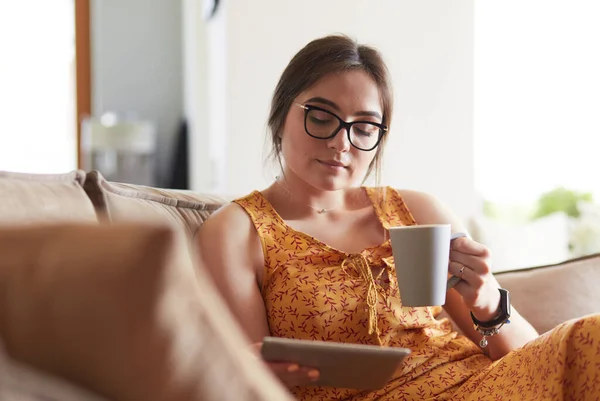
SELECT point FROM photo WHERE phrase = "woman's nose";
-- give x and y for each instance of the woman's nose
(340, 141)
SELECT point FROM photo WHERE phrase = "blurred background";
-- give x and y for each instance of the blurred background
(496, 108)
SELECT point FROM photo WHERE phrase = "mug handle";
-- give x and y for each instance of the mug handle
(453, 280)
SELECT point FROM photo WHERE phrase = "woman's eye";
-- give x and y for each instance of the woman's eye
(317, 120)
(365, 129)
(319, 117)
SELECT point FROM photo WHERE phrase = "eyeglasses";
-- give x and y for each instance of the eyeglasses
(323, 124)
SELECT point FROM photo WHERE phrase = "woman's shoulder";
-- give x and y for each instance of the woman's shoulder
(407, 195)
(413, 196)
(426, 207)
(423, 206)
(231, 214)
(237, 212)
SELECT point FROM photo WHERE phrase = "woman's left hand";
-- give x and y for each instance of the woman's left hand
(471, 262)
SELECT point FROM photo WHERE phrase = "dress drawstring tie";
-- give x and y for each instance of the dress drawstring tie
(360, 264)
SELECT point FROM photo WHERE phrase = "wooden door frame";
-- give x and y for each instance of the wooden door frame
(83, 74)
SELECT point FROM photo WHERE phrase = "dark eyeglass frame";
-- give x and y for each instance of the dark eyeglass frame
(343, 124)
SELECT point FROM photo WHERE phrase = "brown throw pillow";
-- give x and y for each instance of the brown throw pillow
(21, 382)
(120, 310)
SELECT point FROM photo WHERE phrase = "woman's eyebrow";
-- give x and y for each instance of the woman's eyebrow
(333, 105)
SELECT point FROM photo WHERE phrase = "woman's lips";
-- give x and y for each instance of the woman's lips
(332, 164)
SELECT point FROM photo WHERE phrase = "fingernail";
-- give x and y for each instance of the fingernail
(313, 374)
(293, 368)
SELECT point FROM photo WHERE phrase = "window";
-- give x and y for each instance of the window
(537, 125)
(37, 99)
(537, 98)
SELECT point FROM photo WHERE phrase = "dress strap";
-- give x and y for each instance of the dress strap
(263, 216)
(390, 207)
(268, 226)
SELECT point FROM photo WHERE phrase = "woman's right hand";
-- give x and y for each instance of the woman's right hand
(289, 373)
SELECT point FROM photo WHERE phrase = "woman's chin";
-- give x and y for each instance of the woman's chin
(332, 183)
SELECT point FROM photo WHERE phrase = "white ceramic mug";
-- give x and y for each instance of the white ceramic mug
(421, 255)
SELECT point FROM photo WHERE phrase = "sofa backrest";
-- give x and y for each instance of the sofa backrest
(88, 197)
(549, 295)
(40, 198)
(117, 202)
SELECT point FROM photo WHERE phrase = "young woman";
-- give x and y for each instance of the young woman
(309, 257)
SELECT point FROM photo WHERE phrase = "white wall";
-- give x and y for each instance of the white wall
(137, 65)
(204, 77)
(429, 48)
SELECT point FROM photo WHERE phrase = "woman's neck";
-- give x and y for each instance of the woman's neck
(303, 194)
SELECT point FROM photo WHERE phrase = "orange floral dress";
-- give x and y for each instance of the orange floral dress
(314, 291)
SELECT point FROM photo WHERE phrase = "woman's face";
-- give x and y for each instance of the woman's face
(331, 164)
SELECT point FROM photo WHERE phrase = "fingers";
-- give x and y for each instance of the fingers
(291, 374)
(462, 287)
(256, 348)
(466, 274)
(468, 246)
(476, 263)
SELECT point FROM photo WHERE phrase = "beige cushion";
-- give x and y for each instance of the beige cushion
(118, 202)
(32, 198)
(119, 309)
(549, 295)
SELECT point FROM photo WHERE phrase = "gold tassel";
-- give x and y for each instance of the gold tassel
(361, 264)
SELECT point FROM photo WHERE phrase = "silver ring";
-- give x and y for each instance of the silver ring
(461, 271)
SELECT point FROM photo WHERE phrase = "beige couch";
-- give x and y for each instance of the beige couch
(104, 260)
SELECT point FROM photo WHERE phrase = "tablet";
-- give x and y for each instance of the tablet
(365, 367)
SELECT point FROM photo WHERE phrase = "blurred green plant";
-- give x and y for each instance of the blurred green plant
(560, 200)
(490, 209)
(515, 213)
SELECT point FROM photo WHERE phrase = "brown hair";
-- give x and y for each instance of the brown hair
(321, 57)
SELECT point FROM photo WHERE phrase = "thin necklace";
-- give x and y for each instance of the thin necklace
(317, 209)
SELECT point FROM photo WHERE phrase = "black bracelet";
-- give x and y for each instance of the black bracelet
(503, 315)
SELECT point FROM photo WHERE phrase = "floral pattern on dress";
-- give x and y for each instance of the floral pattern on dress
(314, 291)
